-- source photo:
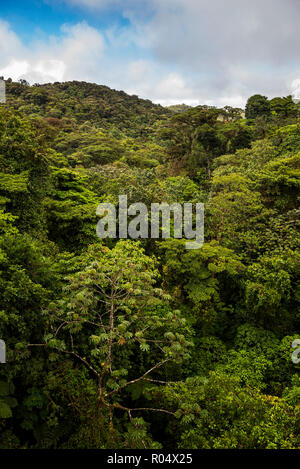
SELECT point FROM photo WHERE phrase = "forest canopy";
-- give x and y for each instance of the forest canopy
(141, 343)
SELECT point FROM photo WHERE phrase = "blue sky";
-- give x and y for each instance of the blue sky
(32, 18)
(170, 51)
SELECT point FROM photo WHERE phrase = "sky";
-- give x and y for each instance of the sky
(212, 52)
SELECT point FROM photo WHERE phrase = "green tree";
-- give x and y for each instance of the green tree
(218, 412)
(257, 106)
(114, 304)
(283, 107)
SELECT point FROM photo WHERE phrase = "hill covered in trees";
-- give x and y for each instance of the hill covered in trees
(143, 344)
(81, 102)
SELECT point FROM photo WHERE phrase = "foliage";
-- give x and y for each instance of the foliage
(144, 344)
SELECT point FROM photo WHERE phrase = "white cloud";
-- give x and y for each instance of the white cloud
(138, 70)
(79, 54)
(15, 69)
(228, 50)
(233, 101)
(51, 69)
(193, 51)
(73, 55)
(295, 88)
(9, 42)
(173, 90)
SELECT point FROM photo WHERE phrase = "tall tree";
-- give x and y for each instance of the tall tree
(257, 106)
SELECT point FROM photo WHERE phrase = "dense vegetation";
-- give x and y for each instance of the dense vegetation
(144, 344)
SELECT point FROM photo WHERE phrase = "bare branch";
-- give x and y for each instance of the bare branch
(155, 367)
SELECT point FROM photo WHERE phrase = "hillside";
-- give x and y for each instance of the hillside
(176, 108)
(83, 102)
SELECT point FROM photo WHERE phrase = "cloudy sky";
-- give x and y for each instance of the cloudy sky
(214, 52)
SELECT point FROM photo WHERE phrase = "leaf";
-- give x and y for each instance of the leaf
(5, 410)
(4, 388)
(11, 401)
(144, 347)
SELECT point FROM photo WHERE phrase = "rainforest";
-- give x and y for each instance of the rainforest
(142, 343)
